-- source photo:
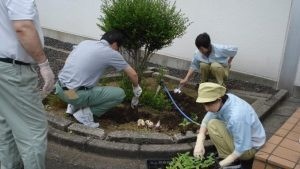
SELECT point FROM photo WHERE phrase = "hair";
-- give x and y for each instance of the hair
(203, 40)
(114, 36)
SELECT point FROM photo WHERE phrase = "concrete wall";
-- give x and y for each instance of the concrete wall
(290, 71)
(257, 27)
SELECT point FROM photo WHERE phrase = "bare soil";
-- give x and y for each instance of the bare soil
(123, 117)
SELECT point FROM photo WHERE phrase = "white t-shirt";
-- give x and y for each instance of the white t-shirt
(11, 10)
(87, 62)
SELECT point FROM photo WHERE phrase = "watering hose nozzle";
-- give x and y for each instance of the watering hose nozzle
(178, 89)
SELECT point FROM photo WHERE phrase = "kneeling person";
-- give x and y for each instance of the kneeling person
(77, 81)
(232, 124)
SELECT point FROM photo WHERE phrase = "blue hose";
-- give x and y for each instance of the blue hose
(173, 101)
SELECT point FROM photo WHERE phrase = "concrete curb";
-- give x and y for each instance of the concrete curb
(134, 144)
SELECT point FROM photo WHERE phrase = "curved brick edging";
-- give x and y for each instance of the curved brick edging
(135, 144)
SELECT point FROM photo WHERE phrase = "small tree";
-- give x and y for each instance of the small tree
(147, 24)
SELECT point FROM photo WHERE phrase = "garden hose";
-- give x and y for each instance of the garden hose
(173, 101)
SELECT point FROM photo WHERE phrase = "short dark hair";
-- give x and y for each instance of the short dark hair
(114, 36)
(202, 40)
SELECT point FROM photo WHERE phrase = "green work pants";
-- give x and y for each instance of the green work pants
(216, 70)
(23, 123)
(100, 98)
(223, 141)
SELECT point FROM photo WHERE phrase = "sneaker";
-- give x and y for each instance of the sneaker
(70, 109)
(85, 116)
(93, 125)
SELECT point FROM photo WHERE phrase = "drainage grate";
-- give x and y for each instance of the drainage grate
(157, 164)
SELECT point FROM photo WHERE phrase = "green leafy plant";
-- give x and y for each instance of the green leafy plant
(149, 97)
(186, 161)
(148, 24)
(157, 101)
(194, 117)
(184, 123)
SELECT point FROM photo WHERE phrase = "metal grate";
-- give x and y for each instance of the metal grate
(157, 164)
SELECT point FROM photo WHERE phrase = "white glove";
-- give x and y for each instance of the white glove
(199, 149)
(137, 91)
(228, 160)
(134, 101)
(47, 76)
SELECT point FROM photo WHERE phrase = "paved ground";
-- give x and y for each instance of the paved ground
(280, 114)
(61, 157)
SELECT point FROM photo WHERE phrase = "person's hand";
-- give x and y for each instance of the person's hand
(48, 77)
(137, 91)
(228, 160)
(134, 102)
(183, 82)
(199, 149)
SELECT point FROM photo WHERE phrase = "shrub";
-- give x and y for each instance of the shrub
(148, 24)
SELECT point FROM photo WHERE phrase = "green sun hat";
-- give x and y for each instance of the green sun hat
(209, 92)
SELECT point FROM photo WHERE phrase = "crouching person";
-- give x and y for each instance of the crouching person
(232, 125)
(77, 81)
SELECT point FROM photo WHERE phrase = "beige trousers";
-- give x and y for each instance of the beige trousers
(216, 70)
(223, 141)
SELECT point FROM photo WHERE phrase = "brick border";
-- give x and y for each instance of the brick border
(282, 150)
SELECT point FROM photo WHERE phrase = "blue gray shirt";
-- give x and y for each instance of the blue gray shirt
(220, 54)
(242, 123)
(87, 62)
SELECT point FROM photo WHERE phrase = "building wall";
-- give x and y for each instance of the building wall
(257, 27)
(290, 70)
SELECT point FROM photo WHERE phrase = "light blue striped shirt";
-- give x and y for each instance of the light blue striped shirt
(220, 54)
(242, 123)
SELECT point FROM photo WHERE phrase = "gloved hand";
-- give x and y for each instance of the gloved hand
(199, 149)
(228, 160)
(137, 91)
(47, 76)
(134, 102)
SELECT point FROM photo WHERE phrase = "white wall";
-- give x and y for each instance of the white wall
(257, 27)
(78, 17)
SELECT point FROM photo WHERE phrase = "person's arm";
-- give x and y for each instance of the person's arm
(229, 61)
(187, 77)
(230, 52)
(29, 38)
(30, 41)
(131, 73)
(199, 149)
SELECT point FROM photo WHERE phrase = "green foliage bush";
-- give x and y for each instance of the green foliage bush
(149, 97)
(186, 161)
(148, 24)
